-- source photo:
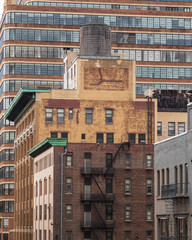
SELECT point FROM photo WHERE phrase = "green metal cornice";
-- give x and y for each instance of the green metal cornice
(22, 101)
(46, 144)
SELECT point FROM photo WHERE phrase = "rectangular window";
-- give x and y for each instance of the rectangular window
(36, 212)
(127, 235)
(108, 116)
(49, 115)
(68, 212)
(128, 186)
(60, 115)
(83, 136)
(69, 161)
(109, 212)
(142, 138)
(109, 158)
(45, 186)
(127, 160)
(68, 235)
(40, 188)
(149, 161)
(68, 185)
(109, 235)
(70, 113)
(5, 222)
(131, 137)
(64, 135)
(110, 137)
(99, 138)
(149, 213)
(127, 212)
(40, 235)
(40, 212)
(171, 129)
(109, 185)
(89, 116)
(45, 235)
(49, 211)
(5, 236)
(149, 186)
(181, 127)
(159, 128)
(54, 135)
(45, 211)
(149, 235)
(87, 235)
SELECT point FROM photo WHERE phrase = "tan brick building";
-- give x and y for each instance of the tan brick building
(101, 110)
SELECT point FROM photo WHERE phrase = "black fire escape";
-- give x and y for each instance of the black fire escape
(101, 199)
(172, 194)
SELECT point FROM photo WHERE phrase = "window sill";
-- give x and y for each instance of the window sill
(149, 194)
(128, 194)
(69, 193)
(128, 220)
(149, 220)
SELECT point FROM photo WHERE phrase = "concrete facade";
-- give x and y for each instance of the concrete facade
(172, 166)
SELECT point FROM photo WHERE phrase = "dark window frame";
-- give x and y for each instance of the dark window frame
(110, 138)
(48, 115)
(108, 116)
(89, 115)
(99, 138)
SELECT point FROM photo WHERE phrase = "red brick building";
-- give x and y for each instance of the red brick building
(107, 190)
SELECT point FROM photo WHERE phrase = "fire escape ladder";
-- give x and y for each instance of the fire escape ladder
(98, 186)
(98, 212)
(113, 160)
(95, 235)
(169, 205)
(172, 228)
(150, 119)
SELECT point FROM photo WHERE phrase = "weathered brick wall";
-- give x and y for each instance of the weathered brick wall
(137, 199)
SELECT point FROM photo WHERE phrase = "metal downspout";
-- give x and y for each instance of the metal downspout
(61, 220)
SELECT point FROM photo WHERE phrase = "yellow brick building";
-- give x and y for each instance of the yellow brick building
(101, 108)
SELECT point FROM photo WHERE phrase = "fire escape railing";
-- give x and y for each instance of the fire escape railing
(174, 190)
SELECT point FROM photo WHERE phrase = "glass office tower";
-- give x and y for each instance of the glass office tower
(157, 34)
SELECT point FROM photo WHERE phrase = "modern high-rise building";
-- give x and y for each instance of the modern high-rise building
(157, 34)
